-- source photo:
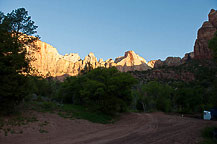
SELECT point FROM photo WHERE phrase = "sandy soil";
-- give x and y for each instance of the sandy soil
(133, 128)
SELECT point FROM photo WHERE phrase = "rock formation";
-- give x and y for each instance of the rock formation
(131, 62)
(187, 57)
(151, 63)
(205, 33)
(170, 61)
(48, 62)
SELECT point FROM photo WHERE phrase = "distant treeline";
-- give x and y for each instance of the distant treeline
(109, 91)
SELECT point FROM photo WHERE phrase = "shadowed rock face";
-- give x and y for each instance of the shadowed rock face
(205, 33)
(187, 57)
(48, 62)
(170, 61)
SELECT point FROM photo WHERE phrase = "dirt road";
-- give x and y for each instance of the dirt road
(133, 128)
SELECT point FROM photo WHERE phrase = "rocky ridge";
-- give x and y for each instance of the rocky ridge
(48, 62)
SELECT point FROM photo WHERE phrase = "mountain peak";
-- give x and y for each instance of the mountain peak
(131, 62)
(91, 54)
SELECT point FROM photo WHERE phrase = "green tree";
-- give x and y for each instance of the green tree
(156, 96)
(15, 30)
(189, 99)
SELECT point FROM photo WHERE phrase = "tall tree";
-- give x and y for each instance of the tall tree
(16, 29)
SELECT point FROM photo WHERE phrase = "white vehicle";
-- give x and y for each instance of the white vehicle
(206, 115)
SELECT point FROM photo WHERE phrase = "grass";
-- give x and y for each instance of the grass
(43, 131)
(208, 136)
(79, 112)
(43, 106)
(72, 112)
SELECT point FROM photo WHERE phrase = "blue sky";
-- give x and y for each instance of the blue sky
(154, 29)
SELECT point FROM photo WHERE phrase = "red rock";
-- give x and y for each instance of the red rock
(187, 57)
(213, 17)
(205, 33)
(170, 61)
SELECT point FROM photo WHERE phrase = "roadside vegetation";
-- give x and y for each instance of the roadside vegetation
(69, 111)
(209, 136)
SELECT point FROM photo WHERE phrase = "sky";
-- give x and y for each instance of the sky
(154, 29)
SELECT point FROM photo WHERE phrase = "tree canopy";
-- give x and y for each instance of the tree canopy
(102, 89)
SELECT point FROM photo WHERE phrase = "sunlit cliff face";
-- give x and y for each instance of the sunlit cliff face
(49, 62)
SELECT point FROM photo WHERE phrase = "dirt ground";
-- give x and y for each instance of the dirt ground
(133, 128)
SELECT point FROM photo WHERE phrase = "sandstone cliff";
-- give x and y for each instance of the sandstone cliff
(151, 63)
(205, 33)
(48, 62)
(131, 62)
(170, 61)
